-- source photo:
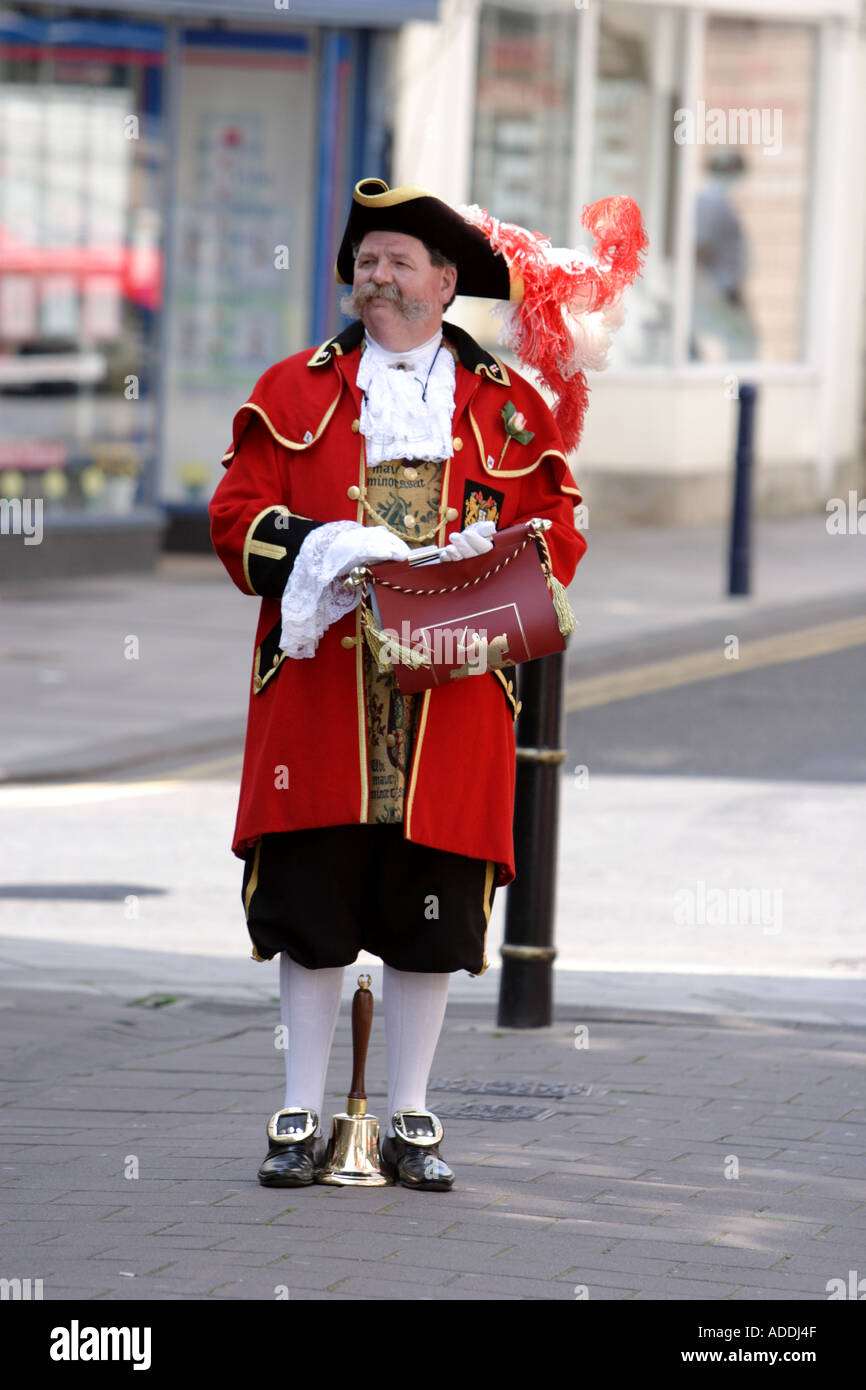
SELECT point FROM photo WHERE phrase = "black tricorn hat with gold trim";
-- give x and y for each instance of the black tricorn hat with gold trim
(564, 304)
(413, 210)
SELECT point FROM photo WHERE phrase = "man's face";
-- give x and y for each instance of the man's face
(395, 284)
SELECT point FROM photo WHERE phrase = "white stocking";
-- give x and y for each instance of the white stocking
(414, 1013)
(309, 1005)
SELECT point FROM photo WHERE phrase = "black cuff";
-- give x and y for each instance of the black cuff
(271, 548)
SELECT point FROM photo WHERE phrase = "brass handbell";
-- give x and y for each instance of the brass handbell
(352, 1159)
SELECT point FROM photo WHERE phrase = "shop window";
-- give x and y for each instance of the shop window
(524, 112)
(752, 206)
(80, 260)
(640, 57)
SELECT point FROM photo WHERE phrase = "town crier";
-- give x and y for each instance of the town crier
(369, 819)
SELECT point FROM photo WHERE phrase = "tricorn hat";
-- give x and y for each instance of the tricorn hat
(416, 212)
(561, 306)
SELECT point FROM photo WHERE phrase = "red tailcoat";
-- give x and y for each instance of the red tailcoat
(298, 453)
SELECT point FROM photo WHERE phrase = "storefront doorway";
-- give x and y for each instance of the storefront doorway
(239, 240)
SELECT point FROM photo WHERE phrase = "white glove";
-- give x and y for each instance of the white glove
(314, 596)
(472, 541)
(363, 545)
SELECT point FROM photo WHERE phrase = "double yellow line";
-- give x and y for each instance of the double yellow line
(706, 666)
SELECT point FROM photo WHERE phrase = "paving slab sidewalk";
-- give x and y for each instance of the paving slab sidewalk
(684, 1158)
(676, 1157)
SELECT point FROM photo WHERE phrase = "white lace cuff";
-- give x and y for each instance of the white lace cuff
(314, 596)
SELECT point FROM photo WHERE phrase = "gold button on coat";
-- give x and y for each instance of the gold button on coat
(356, 425)
(451, 514)
(410, 473)
(354, 492)
(391, 740)
(348, 642)
(458, 443)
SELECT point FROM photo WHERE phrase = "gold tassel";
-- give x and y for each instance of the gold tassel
(377, 639)
(564, 612)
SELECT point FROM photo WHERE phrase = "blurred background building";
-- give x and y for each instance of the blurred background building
(757, 239)
(175, 178)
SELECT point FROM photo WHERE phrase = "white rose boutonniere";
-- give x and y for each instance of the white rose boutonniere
(515, 423)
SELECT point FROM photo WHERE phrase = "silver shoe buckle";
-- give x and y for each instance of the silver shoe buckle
(292, 1126)
(418, 1127)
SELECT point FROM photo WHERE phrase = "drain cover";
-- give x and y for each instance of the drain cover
(544, 1090)
(473, 1110)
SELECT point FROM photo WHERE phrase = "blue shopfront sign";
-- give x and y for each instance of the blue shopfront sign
(21, 30)
(355, 13)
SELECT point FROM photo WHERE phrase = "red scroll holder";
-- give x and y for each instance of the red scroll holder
(434, 622)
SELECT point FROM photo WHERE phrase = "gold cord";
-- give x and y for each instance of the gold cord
(468, 584)
(421, 536)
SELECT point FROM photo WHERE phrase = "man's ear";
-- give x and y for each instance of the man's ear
(449, 282)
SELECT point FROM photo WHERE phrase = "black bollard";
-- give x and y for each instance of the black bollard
(741, 517)
(526, 984)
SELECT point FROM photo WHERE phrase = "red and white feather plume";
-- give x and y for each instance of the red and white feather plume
(572, 299)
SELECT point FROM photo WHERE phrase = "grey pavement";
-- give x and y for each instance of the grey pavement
(671, 1136)
(642, 1157)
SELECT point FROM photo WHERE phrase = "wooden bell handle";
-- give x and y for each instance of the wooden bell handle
(362, 1022)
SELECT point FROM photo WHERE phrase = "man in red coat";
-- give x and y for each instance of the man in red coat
(368, 819)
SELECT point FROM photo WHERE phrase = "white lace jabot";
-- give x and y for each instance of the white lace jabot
(408, 401)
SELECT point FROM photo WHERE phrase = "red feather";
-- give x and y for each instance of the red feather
(555, 286)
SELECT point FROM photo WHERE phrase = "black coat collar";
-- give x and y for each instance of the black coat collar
(471, 355)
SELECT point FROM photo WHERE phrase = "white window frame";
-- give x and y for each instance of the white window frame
(835, 109)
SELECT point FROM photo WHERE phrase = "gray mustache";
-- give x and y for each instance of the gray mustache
(411, 309)
(371, 291)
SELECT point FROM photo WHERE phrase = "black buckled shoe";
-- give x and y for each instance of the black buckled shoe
(295, 1152)
(412, 1157)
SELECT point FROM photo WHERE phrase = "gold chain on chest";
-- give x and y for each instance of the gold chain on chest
(416, 536)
